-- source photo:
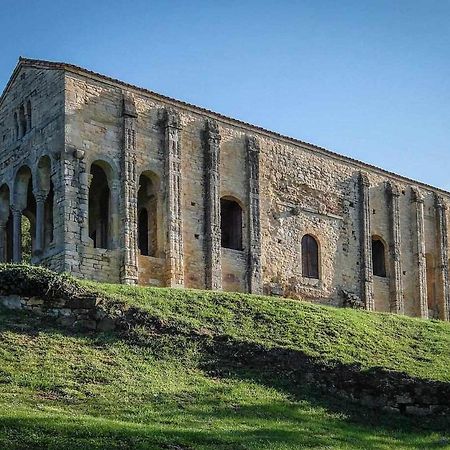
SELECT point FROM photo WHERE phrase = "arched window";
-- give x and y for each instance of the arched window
(99, 208)
(231, 224)
(24, 200)
(23, 120)
(28, 115)
(378, 257)
(148, 214)
(310, 257)
(16, 126)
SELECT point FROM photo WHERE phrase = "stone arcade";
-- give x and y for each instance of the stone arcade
(124, 185)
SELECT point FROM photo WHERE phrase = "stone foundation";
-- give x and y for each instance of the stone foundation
(79, 313)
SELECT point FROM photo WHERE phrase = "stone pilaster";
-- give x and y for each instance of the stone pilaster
(442, 227)
(396, 284)
(174, 252)
(115, 213)
(85, 179)
(212, 206)
(419, 242)
(366, 243)
(254, 229)
(67, 195)
(129, 270)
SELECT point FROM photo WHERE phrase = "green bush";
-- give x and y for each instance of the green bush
(30, 281)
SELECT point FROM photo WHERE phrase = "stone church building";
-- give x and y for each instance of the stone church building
(121, 184)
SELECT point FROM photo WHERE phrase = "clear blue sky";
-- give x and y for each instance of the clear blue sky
(366, 78)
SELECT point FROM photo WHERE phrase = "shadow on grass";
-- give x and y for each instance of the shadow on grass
(290, 371)
(61, 432)
(261, 426)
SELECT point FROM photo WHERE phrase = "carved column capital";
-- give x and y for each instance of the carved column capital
(115, 185)
(253, 144)
(129, 106)
(212, 130)
(392, 188)
(40, 196)
(172, 118)
(364, 179)
(16, 210)
(416, 195)
(78, 153)
(440, 202)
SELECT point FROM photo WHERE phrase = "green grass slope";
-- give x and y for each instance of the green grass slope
(146, 389)
(418, 347)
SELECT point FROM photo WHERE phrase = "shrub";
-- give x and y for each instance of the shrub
(34, 281)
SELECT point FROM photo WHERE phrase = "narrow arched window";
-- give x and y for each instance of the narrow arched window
(148, 218)
(231, 224)
(16, 126)
(28, 115)
(378, 257)
(23, 120)
(310, 257)
(99, 208)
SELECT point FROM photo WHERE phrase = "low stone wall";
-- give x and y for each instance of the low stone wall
(383, 389)
(376, 388)
(79, 313)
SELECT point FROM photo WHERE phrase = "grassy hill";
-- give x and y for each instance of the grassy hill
(156, 386)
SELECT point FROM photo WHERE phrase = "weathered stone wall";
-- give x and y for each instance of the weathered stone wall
(94, 127)
(38, 147)
(302, 191)
(193, 158)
